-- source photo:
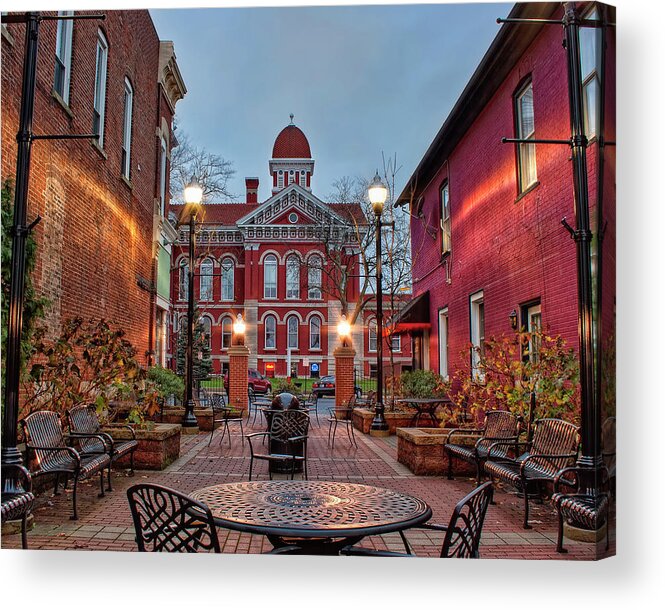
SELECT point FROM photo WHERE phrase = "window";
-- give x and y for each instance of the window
(445, 219)
(227, 332)
(291, 177)
(443, 343)
(183, 290)
(590, 50)
(396, 343)
(315, 333)
(127, 130)
(372, 336)
(228, 273)
(270, 277)
(303, 178)
(280, 179)
(63, 56)
(293, 218)
(207, 327)
(270, 332)
(314, 278)
(205, 280)
(532, 323)
(293, 277)
(99, 103)
(477, 334)
(292, 332)
(162, 177)
(526, 153)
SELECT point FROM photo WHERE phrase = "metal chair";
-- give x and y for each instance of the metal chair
(18, 504)
(287, 437)
(342, 416)
(221, 414)
(462, 539)
(46, 442)
(166, 520)
(83, 422)
(311, 403)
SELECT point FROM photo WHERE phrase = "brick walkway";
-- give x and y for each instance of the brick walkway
(105, 523)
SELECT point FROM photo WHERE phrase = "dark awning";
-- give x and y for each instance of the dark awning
(415, 316)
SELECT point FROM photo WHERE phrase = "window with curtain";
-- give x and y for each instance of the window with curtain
(477, 306)
(314, 277)
(590, 51)
(270, 277)
(445, 219)
(205, 280)
(227, 332)
(292, 332)
(270, 327)
(183, 289)
(127, 130)
(99, 101)
(372, 336)
(63, 56)
(228, 273)
(293, 277)
(315, 333)
(526, 130)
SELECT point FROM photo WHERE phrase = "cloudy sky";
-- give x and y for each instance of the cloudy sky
(360, 80)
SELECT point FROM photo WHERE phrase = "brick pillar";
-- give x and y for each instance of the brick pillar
(344, 387)
(238, 362)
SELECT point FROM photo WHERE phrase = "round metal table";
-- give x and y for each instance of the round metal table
(312, 517)
(425, 406)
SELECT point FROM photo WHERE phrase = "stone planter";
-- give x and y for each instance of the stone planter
(421, 450)
(362, 419)
(158, 447)
(175, 415)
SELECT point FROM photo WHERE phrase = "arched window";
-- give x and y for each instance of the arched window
(292, 327)
(372, 336)
(270, 277)
(293, 277)
(207, 329)
(205, 280)
(228, 273)
(183, 288)
(315, 332)
(227, 332)
(314, 278)
(270, 324)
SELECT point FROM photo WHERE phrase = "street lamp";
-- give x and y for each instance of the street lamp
(378, 194)
(193, 197)
(343, 330)
(239, 331)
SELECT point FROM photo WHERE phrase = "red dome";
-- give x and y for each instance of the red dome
(291, 143)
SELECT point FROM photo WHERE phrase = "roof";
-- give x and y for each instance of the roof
(226, 214)
(291, 143)
(351, 212)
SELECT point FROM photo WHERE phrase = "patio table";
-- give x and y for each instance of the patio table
(312, 517)
(424, 406)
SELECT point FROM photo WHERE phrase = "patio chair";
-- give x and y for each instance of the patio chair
(287, 441)
(579, 508)
(46, 443)
(368, 401)
(342, 416)
(83, 422)
(311, 403)
(18, 504)
(498, 426)
(554, 446)
(462, 534)
(222, 414)
(166, 520)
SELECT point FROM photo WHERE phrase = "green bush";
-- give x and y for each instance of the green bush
(166, 382)
(284, 384)
(421, 384)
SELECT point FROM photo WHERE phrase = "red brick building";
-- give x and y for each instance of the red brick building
(487, 238)
(268, 261)
(102, 203)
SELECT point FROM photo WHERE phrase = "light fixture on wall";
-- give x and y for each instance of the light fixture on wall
(513, 319)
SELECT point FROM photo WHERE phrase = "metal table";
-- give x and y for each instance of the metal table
(312, 517)
(425, 406)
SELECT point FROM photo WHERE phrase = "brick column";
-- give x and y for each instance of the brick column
(344, 388)
(238, 362)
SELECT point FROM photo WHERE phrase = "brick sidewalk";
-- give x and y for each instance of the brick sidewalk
(105, 523)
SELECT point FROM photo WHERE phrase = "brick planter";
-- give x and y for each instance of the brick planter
(362, 420)
(421, 450)
(175, 415)
(157, 448)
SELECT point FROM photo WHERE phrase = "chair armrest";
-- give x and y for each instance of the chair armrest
(99, 436)
(547, 456)
(433, 526)
(294, 439)
(250, 436)
(353, 551)
(576, 469)
(75, 454)
(506, 443)
(463, 432)
(508, 439)
(22, 472)
(131, 429)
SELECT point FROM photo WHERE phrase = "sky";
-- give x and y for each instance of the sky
(362, 81)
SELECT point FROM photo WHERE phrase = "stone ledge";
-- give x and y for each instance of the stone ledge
(421, 450)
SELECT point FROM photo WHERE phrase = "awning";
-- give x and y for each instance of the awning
(415, 316)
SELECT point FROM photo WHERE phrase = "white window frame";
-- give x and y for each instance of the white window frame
(314, 275)
(183, 284)
(293, 277)
(162, 175)
(292, 324)
(372, 335)
(227, 332)
(206, 274)
(446, 241)
(443, 343)
(477, 332)
(126, 157)
(63, 54)
(533, 311)
(398, 339)
(280, 179)
(590, 39)
(99, 100)
(270, 267)
(228, 279)
(315, 320)
(526, 153)
(273, 331)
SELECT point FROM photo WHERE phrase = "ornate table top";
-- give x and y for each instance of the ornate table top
(312, 508)
(424, 401)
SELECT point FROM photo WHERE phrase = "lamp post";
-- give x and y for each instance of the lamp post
(193, 197)
(239, 331)
(377, 196)
(344, 330)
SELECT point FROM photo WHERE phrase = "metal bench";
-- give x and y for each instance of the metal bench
(17, 503)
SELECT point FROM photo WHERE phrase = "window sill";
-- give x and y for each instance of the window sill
(523, 194)
(315, 349)
(127, 182)
(269, 349)
(99, 149)
(64, 105)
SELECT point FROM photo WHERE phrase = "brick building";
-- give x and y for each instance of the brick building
(269, 261)
(487, 237)
(102, 203)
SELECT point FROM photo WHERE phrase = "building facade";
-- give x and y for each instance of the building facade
(271, 262)
(102, 203)
(487, 233)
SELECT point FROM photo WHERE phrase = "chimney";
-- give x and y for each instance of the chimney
(252, 187)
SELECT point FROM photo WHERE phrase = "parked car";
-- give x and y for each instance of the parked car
(256, 381)
(326, 387)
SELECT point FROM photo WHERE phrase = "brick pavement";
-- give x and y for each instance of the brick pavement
(105, 523)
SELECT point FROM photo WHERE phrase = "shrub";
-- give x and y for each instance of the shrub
(166, 383)
(421, 384)
(284, 384)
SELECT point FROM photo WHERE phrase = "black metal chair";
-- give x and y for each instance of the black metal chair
(17, 504)
(166, 520)
(311, 403)
(462, 534)
(46, 443)
(222, 414)
(579, 508)
(342, 416)
(498, 426)
(368, 401)
(554, 446)
(83, 422)
(287, 441)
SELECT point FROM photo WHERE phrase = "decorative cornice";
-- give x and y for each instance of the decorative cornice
(169, 74)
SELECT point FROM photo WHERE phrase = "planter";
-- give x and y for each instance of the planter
(421, 450)
(158, 447)
(362, 419)
(176, 415)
